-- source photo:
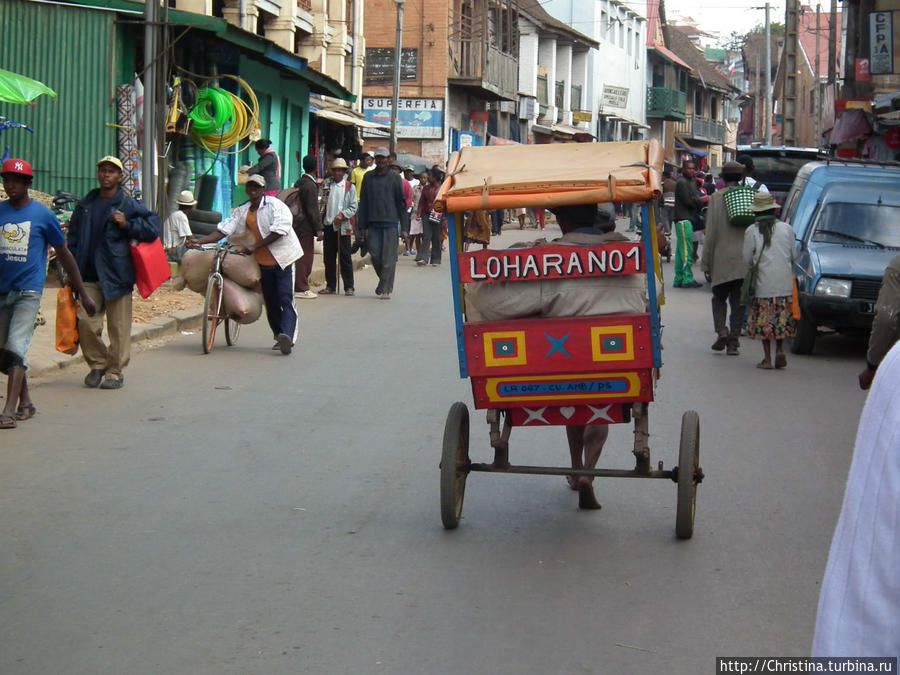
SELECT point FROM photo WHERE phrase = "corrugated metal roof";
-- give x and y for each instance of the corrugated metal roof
(68, 49)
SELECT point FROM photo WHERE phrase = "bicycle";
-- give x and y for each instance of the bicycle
(212, 304)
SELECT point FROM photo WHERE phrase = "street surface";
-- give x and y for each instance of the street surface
(246, 512)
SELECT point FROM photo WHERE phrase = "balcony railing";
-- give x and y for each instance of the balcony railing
(666, 103)
(474, 62)
(701, 129)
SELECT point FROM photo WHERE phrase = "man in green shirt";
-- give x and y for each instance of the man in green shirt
(688, 201)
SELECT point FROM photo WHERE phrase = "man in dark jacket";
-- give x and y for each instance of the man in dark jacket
(381, 217)
(303, 201)
(100, 232)
(688, 201)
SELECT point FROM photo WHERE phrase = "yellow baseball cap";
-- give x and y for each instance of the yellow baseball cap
(109, 159)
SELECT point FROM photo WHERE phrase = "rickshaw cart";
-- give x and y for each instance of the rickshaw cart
(596, 369)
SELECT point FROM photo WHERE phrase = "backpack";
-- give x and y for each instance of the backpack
(738, 203)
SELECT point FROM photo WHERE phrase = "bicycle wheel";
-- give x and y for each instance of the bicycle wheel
(211, 308)
(232, 330)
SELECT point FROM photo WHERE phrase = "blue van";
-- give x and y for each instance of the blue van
(846, 218)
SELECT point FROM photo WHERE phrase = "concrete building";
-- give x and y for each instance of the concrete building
(704, 131)
(554, 102)
(458, 77)
(615, 92)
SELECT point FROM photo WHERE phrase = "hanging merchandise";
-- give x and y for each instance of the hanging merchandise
(125, 96)
(221, 119)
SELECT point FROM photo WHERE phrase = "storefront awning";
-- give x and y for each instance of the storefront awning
(258, 47)
(348, 120)
(560, 130)
(631, 122)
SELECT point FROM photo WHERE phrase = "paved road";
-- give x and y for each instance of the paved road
(244, 512)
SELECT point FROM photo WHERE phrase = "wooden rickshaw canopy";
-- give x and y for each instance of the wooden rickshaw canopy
(510, 176)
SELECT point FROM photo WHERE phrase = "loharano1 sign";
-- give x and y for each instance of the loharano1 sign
(416, 117)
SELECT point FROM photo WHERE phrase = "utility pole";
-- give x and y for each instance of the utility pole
(395, 104)
(790, 58)
(758, 106)
(148, 160)
(768, 119)
(832, 44)
(818, 90)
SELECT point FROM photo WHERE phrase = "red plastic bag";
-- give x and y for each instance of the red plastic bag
(66, 321)
(151, 267)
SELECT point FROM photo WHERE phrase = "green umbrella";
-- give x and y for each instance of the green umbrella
(20, 89)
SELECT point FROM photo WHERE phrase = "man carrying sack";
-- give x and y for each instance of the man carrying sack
(27, 229)
(100, 234)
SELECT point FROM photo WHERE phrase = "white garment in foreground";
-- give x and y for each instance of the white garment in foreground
(859, 607)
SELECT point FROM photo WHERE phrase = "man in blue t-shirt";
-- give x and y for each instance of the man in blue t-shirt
(26, 229)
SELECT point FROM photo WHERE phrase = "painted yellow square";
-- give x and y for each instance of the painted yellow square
(519, 360)
(597, 334)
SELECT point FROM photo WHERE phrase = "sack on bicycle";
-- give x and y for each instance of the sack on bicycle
(196, 266)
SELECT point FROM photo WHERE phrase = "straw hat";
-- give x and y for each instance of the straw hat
(339, 163)
(763, 201)
(186, 198)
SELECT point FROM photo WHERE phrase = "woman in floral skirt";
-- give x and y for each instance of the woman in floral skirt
(769, 244)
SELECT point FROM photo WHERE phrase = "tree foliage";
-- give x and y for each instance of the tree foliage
(735, 41)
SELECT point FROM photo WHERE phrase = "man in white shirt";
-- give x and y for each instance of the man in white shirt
(177, 228)
(409, 173)
(275, 248)
(340, 207)
(859, 606)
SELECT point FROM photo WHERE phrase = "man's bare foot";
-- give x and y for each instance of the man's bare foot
(586, 498)
(573, 482)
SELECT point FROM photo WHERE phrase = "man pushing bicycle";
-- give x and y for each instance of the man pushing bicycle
(275, 248)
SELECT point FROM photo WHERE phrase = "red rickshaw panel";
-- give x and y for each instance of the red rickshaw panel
(559, 345)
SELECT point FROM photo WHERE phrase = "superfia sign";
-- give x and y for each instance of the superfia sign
(551, 262)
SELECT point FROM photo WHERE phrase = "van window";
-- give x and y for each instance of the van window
(790, 204)
(777, 170)
(845, 223)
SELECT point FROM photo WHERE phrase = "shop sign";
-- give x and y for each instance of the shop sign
(617, 97)
(582, 116)
(881, 43)
(416, 117)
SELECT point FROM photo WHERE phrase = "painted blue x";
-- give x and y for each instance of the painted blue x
(558, 345)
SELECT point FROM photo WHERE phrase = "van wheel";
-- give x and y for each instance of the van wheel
(805, 339)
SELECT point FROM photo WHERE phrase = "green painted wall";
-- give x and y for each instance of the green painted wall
(69, 49)
(284, 119)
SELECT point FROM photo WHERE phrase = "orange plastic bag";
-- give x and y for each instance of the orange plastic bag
(66, 321)
(795, 302)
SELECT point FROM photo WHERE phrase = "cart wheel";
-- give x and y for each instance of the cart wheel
(232, 330)
(454, 464)
(688, 460)
(211, 307)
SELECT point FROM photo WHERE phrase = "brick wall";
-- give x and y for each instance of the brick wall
(425, 29)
